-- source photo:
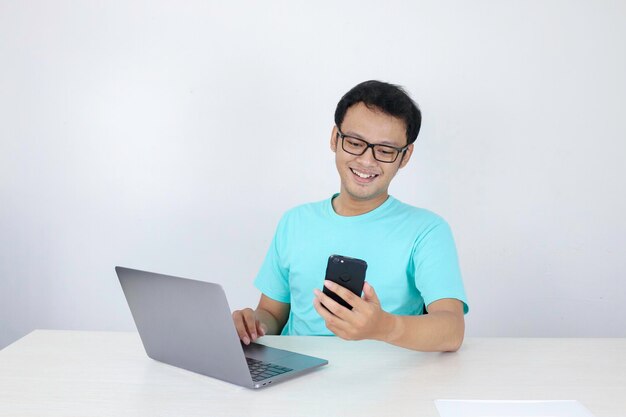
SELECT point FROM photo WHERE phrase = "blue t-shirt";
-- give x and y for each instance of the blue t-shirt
(410, 254)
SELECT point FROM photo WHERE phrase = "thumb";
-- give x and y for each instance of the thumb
(369, 294)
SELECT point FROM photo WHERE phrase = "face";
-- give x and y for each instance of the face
(363, 178)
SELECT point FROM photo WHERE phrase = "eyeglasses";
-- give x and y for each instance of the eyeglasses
(382, 153)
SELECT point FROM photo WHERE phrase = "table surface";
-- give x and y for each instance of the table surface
(72, 373)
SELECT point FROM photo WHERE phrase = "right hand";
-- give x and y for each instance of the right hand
(249, 327)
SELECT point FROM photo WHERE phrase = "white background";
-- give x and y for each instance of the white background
(171, 136)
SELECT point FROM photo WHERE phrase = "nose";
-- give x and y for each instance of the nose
(367, 159)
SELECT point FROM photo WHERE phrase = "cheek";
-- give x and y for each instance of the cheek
(388, 174)
(340, 158)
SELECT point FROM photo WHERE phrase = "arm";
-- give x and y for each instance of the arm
(269, 317)
(442, 329)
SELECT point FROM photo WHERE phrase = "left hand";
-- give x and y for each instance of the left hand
(366, 320)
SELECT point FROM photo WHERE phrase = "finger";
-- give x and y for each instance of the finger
(347, 295)
(240, 326)
(321, 309)
(369, 294)
(333, 323)
(334, 307)
(260, 328)
(250, 323)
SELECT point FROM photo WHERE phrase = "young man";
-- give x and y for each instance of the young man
(410, 252)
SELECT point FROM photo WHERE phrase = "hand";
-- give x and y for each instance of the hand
(366, 320)
(248, 326)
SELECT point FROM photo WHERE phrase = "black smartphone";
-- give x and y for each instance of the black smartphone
(347, 272)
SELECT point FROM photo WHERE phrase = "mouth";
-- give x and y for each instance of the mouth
(363, 177)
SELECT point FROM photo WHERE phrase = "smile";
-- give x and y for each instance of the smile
(363, 175)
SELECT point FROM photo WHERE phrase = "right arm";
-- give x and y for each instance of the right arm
(269, 317)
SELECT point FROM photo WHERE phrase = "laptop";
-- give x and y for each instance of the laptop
(188, 324)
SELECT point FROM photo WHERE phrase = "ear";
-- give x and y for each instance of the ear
(407, 156)
(333, 139)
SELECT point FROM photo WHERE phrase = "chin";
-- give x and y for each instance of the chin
(363, 195)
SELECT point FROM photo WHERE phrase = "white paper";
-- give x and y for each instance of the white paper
(480, 408)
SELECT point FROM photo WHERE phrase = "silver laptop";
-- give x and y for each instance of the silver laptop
(188, 324)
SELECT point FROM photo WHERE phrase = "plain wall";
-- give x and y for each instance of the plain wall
(171, 136)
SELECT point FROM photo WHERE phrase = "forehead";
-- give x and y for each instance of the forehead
(373, 125)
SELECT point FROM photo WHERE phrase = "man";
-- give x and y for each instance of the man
(410, 252)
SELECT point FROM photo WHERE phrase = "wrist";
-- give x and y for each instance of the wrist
(391, 328)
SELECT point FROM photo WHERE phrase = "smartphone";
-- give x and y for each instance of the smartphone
(347, 272)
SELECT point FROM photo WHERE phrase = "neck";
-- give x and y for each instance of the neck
(346, 205)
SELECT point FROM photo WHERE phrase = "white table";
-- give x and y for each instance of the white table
(68, 373)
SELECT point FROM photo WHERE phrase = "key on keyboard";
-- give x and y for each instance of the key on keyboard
(262, 370)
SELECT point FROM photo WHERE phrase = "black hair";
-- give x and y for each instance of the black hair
(389, 98)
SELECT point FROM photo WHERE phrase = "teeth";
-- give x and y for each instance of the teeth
(362, 175)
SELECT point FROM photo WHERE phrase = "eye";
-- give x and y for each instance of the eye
(354, 143)
(386, 151)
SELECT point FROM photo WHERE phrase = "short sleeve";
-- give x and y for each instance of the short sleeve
(437, 272)
(273, 277)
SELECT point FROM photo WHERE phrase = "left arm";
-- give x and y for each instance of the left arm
(441, 330)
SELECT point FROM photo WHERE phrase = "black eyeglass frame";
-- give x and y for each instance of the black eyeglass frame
(371, 145)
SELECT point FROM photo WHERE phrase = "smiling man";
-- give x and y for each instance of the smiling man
(413, 296)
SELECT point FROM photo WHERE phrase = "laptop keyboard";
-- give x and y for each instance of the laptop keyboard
(262, 370)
